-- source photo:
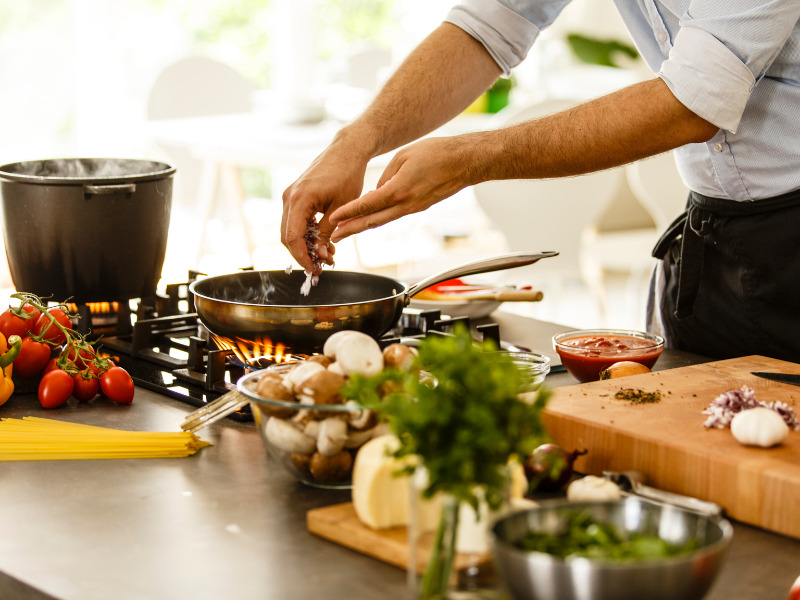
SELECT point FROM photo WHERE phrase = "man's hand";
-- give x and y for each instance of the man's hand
(416, 178)
(334, 178)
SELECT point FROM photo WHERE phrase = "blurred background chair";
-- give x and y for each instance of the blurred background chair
(548, 214)
(201, 86)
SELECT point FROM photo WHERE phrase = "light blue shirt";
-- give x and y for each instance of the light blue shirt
(736, 63)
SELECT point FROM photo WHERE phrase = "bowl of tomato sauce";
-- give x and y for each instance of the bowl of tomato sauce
(586, 352)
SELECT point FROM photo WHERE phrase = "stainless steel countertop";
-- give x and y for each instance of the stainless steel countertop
(229, 523)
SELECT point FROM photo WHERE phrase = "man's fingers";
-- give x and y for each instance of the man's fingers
(293, 231)
(357, 225)
(368, 204)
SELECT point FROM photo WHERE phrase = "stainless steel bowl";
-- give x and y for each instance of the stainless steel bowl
(540, 576)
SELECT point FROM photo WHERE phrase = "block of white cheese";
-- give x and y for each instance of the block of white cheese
(381, 498)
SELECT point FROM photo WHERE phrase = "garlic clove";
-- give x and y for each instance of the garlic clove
(759, 426)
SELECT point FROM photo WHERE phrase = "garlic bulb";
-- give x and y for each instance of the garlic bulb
(592, 488)
(759, 427)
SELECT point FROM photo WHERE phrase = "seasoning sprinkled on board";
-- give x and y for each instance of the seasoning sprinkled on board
(635, 396)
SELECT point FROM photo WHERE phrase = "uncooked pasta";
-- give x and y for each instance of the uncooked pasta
(35, 438)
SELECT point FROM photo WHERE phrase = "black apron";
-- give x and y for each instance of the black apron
(732, 278)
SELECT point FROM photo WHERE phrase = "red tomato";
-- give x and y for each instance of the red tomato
(52, 332)
(794, 591)
(51, 364)
(33, 358)
(117, 385)
(11, 324)
(85, 389)
(84, 358)
(55, 388)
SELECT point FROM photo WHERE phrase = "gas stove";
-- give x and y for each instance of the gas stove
(166, 349)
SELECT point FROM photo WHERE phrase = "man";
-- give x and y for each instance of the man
(726, 95)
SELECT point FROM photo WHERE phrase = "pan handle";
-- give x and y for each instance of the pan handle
(487, 265)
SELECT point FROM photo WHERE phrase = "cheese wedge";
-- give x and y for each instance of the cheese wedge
(381, 499)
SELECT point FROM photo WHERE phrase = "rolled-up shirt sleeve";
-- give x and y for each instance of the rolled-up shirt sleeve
(708, 78)
(505, 34)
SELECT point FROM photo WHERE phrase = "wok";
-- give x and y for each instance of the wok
(256, 306)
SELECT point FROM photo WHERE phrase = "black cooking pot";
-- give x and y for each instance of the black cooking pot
(89, 229)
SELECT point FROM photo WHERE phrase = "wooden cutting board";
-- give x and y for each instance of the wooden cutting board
(669, 445)
(339, 523)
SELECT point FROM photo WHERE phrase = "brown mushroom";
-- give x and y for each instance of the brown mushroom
(272, 387)
(301, 462)
(399, 356)
(321, 359)
(323, 387)
(328, 469)
(297, 375)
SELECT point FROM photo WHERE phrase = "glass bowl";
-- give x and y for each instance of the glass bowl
(316, 443)
(539, 575)
(534, 368)
(586, 352)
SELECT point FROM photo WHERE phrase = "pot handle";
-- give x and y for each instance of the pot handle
(122, 188)
(487, 265)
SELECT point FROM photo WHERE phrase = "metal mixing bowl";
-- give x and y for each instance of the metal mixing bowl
(541, 576)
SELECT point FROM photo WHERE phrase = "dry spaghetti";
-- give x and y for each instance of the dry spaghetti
(35, 438)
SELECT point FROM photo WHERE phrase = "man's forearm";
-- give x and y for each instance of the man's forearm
(633, 123)
(436, 82)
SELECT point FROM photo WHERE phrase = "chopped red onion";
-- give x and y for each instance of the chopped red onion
(723, 408)
(311, 238)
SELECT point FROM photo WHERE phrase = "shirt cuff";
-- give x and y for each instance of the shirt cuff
(708, 78)
(506, 35)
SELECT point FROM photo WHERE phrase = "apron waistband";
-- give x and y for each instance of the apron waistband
(696, 223)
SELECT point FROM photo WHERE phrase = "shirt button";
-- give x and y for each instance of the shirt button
(662, 36)
(717, 147)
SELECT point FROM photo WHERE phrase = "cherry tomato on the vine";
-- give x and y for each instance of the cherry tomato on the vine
(12, 324)
(33, 358)
(84, 358)
(55, 388)
(794, 591)
(85, 388)
(52, 332)
(117, 385)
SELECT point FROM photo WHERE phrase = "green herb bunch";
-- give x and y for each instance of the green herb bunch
(464, 422)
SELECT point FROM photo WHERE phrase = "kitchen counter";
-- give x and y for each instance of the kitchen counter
(229, 523)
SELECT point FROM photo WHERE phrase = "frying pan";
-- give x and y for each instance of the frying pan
(256, 306)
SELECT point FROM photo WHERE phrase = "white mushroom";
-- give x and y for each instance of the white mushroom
(335, 367)
(332, 343)
(312, 428)
(332, 436)
(360, 354)
(286, 436)
(356, 439)
(296, 376)
(360, 418)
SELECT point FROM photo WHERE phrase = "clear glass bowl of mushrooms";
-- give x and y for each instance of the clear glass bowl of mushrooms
(305, 423)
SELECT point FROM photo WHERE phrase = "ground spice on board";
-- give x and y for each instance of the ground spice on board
(638, 396)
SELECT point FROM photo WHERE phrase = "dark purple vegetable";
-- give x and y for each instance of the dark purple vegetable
(549, 467)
